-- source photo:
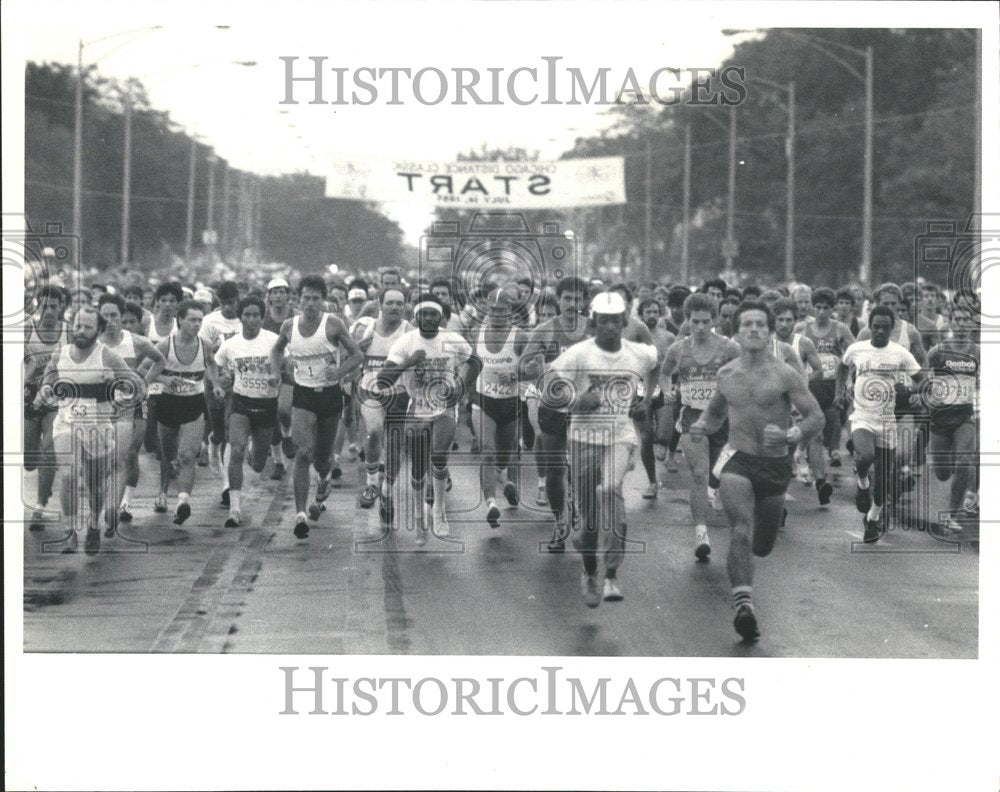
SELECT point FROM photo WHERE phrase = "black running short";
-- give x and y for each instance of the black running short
(501, 411)
(552, 422)
(324, 402)
(947, 420)
(262, 413)
(173, 411)
(768, 475)
(825, 391)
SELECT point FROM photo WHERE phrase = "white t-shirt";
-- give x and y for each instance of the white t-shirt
(877, 370)
(617, 375)
(249, 360)
(215, 328)
(431, 382)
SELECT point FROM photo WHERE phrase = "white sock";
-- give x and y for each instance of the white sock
(874, 512)
(440, 484)
(300, 517)
(127, 498)
(701, 532)
(234, 500)
(371, 479)
(276, 454)
(182, 497)
(214, 454)
(541, 482)
(224, 466)
(863, 483)
(490, 503)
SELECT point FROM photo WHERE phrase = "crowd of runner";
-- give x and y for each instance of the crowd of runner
(576, 381)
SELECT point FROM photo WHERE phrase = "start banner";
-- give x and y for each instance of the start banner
(599, 181)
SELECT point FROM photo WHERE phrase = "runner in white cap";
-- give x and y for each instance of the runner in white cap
(278, 310)
(601, 377)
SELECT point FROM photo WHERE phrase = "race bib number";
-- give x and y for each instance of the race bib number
(954, 390)
(829, 363)
(498, 385)
(698, 393)
(185, 387)
(875, 393)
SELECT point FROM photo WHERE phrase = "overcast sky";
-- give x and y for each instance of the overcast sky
(186, 67)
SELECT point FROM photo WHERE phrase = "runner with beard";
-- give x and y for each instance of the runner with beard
(312, 339)
(494, 374)
(549, 340)
(181, 405)
(166, 298)
(756, 393)
(135, 351)
(245, 367)
(879, 366)
(96, 392)
(375, 338)
(600, 377)
(278, 310)
(951, 394)
(43, 337)
(697, 359)
(659, 418)
(431, 364)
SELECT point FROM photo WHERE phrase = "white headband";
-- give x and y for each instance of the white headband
(427, 304)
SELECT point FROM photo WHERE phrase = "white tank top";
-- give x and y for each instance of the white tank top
(125, 349)
(155, 337)
(312, 357)
(904, 335)
(495, 379)
(84, 388)
(192, 374)
(376, 355)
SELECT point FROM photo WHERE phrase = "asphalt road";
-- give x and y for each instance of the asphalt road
(349, 588)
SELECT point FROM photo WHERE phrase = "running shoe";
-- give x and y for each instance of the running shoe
(352, 453)
(203, 456)
(92, 542)
(541, 499)
(713, 499)
(591, 590)
(301, 529)
(873, 530)
(441, 527)
(745, 623)
(611, 591)
(315, 510)
(182, 513)
(835, 458)
(863, 499)
(702, 548)
(233, 521)
(672, 464)
(367, 497)
(288, 447)
(336, 472)
(160, 504)
(824, 491)
(37, 523)
(659, 452)
(72, 542)
(278, 473)
(557, 544)
(651, 491)
(970, 503)
(385, 509)
(323, 486)
(510, 493)
(224, 500)
(421, 535)
(125, 515)
(493, 516)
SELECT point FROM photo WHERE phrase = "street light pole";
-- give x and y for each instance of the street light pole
(646, 270)
(78, 145)
(866, 229)
(730, 251)
(127, 177)
(210, 220)
(790, 188)
(190, 202)
(685, 230)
